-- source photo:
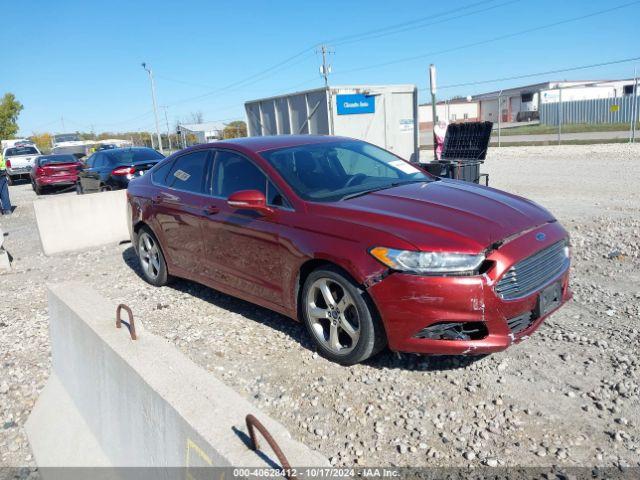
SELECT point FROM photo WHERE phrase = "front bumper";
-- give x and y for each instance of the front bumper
(410, 303)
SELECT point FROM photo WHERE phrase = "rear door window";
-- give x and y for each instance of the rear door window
(159, 174)
(188, 172)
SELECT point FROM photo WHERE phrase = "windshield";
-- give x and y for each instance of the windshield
(51, 159)
(329, 172)
(13, 152)
(66, 137)
(133, 155)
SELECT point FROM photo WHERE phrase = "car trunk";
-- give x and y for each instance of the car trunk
(58, 169)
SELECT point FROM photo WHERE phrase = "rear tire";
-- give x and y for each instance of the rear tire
(347, 328)
(79, 190)
(9, 180)
(151, 258)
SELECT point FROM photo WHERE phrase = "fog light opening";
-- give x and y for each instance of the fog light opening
(454, 331)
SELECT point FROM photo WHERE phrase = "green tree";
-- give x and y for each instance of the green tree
(235, 129)
(10, 109)
(42, 141)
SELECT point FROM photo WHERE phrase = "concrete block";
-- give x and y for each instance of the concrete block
(5, 259)
(75, 222)
(139, 403)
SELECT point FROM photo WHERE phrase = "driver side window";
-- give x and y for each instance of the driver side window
(233, 172)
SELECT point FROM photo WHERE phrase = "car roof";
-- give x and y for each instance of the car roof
(261, 144)
(127, 149)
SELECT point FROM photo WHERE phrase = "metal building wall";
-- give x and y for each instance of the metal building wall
(602, 110)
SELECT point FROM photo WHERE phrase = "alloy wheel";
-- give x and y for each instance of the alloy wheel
(149, 255)
(333, 316)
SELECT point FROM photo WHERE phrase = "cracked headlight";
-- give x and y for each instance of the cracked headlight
(427, 262)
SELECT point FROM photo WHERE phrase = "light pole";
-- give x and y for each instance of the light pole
(155, 105)
(166, 119)
(432, 87)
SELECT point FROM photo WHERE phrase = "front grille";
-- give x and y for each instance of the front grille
(528, 275)
(521, 322)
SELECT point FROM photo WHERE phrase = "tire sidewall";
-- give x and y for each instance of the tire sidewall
(163, 277)
(369, 326)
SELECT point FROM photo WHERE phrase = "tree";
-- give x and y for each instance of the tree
(235, 129)
(10, 109)
(42, 141)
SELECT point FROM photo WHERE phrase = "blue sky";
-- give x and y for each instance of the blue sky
(81, 60)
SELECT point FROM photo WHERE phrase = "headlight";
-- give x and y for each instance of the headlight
(427, 262)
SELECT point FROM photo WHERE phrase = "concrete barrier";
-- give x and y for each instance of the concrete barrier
(74, 222)
(5, 260)
(113, 401)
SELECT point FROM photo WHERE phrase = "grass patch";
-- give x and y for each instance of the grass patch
(564, 142)
(568, 128)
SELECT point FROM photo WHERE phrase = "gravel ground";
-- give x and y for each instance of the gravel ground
(567, 396)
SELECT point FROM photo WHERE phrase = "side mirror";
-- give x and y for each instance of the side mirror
(249, 200)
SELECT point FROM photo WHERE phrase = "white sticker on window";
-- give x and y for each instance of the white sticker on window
(181, 175)
(404, 166)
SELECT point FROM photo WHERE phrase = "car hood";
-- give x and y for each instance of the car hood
(445, 214)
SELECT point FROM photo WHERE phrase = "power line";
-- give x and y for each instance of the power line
(528, 75)
(490, 40)
(418, 24)
(375, 33)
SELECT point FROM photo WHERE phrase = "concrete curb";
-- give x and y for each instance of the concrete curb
(138, 403)
(74, 222)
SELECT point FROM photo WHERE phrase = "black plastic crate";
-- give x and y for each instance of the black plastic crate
(467, 141)
(464, 170)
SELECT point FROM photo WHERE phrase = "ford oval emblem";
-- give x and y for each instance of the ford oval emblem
(540, 236)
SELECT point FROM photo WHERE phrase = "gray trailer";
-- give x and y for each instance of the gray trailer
(385, 115)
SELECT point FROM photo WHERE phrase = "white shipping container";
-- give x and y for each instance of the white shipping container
(385, 115)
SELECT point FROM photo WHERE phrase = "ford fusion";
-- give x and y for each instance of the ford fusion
(363, 247)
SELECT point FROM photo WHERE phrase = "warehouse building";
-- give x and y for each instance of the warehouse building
(522, 104)
(203, 132)
(451, 111)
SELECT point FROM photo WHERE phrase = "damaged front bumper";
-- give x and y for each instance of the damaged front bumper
(463, 315)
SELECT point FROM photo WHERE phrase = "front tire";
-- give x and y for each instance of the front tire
(151, 258)
(340, 318)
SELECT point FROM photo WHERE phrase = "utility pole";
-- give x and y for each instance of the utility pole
(559, 113)
(634, 108)
(432, 82)
(155, 105)
(325, 70)
(166, 119)
(499, 116)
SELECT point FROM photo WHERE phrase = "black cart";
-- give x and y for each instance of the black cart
(465, 149)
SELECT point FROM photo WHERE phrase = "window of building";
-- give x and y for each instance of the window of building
(453, 117)
(466, 116)
(628, 90)
(526, 97)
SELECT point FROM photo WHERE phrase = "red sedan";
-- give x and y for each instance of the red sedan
(363, 247)
(54, 171)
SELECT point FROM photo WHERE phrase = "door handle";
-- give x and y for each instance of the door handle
(211, 210)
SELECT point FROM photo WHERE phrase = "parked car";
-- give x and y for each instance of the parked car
(54, 171)
(19, 160)
(112, 169)
(363, 247)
